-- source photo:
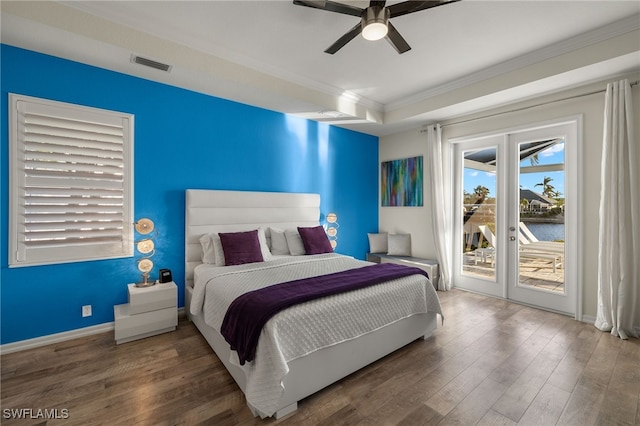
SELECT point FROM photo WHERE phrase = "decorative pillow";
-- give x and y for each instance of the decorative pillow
(294, 241)
(213, 253)
(212, 249)
(241, 247)
(315, 240)
(208, 253)
(378, 243)
(278, 242)
(264, 246)
(399, 244)
(267, 234)
(217, 249)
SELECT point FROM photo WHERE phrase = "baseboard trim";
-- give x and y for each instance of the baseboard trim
(37, 342)
(592, 320)
(589, 319)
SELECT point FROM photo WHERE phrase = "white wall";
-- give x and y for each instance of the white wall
(417, 220)
(408, 220)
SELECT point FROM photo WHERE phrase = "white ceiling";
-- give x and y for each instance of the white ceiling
(466, 56)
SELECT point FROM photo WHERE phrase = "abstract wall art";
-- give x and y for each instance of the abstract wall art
(401, 182)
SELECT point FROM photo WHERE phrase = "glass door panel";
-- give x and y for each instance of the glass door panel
(479, 258)
(479, 213)
(544, 269)
(541, 232)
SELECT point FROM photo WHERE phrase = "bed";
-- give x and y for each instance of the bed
(301, 349)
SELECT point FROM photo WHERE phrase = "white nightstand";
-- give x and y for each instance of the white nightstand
(150, 311)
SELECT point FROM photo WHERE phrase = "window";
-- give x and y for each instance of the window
(71, 182)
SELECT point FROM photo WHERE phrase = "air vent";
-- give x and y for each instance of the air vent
(150, 63)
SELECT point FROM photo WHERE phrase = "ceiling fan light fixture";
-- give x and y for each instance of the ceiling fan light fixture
(374, 23)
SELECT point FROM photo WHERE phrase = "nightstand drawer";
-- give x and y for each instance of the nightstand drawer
(130, 327)
(146, 299)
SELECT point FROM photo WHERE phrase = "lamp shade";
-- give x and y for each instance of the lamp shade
(145, 265)
(374, 23)
(374, 31)
(145, 246)
(144, 226)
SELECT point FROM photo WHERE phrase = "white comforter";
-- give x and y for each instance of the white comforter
(307, 327)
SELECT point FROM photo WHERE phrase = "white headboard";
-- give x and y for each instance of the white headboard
(229, 211)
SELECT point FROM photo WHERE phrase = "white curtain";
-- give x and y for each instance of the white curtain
(439, 201)
(619, 233)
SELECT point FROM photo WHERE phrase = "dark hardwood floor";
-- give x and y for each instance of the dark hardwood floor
(492, 363)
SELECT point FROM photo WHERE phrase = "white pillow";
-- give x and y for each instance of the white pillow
(278, 242)
(378, 243)
(208, 253)
(267, 234)
(217, 248)
(264, 247)
(399, 245)
(294, 241)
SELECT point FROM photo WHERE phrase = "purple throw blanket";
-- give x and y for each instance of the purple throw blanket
(248, 314)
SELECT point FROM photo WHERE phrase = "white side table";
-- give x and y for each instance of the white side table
(150, 311)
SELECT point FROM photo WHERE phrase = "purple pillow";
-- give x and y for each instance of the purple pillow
(241, 247)
(315, 240)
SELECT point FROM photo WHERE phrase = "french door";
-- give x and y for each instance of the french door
(516, 221)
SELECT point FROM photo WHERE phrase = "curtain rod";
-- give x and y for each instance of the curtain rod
(634, 83)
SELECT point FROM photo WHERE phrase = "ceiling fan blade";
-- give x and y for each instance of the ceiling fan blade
(330, 6)
(316, 4)
(407, 7)
(396, 40)
(339, 44)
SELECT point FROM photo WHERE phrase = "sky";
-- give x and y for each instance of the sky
(552, 155)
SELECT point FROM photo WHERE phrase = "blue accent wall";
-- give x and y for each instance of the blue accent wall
(183, 139)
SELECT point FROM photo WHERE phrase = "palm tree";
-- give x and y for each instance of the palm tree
(547, 188)
(481, 191)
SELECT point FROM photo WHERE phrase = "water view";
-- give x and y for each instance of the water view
(547, 231)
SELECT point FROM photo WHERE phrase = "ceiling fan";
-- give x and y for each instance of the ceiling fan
(374, 20)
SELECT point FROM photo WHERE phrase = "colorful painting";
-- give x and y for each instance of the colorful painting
(401, 182)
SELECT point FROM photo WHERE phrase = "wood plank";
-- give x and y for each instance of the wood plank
(571, 368)
(522, 392)
(621, 401)
(547, 406)
(421, 415)
(466, 381)
(477, 404)
(584, 403)
(493, 418)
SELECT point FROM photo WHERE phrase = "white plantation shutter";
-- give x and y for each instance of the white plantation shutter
(71, 182)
